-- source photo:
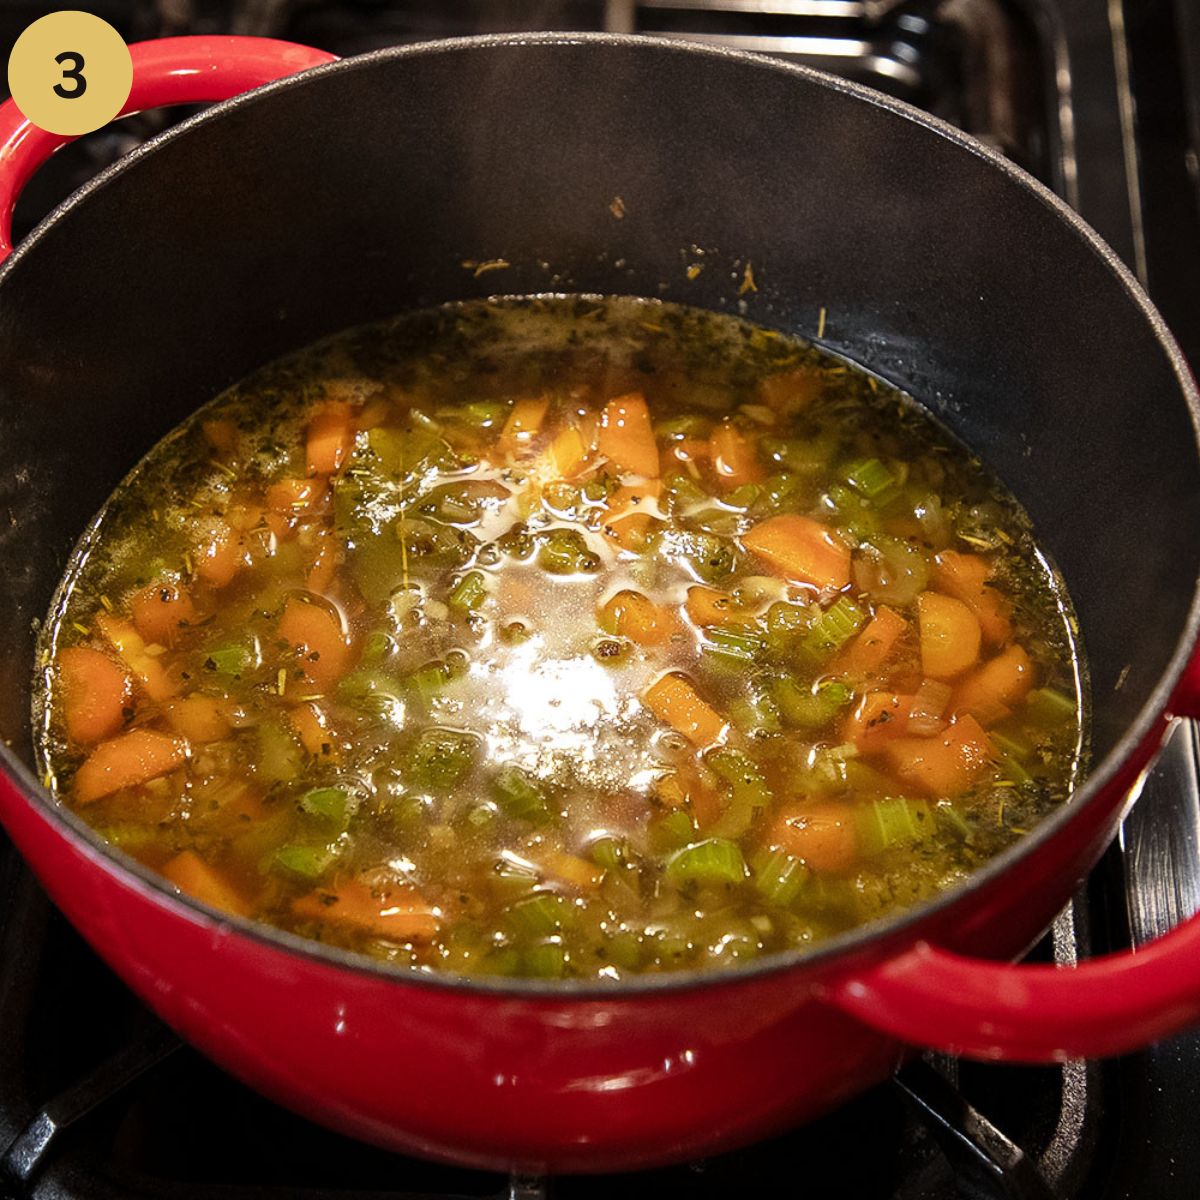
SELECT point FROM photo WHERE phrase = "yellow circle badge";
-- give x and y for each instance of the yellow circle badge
(70, 72)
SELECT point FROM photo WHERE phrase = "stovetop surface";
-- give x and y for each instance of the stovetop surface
(1101, 101)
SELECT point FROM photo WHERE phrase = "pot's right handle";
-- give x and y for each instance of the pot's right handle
(182, 70)
(1108, 1005)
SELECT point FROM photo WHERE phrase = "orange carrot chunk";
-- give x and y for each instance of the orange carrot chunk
(294, 496)
(965, 577)
(625, 522)
(673, 700)
(203, 882)
(710, 606)
(569, 453)
(632, 615)
(523, 425)
(877, 718)
(330, 438)
(998, 685)
(126, 761)
(131, 649)
(734, 459)
(391, 910)
(801, 549)
(872, 647)
(950, 635)
(220, 554)
(945, 764)
(823, 835)
(95, 694)
(160, 611)
(315, 635)
(311, 726)
(198, 718)
(626, 436)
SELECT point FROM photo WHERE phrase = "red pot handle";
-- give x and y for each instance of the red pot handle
(183, 70)
(1108, 1005)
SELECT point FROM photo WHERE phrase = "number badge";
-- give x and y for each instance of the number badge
(70, 73)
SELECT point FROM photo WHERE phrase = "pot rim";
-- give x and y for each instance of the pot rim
(874, 937)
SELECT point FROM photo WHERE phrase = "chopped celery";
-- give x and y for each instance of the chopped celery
(519, 796)
(378, 647)
(671, 832)
(951, 821)
(234, 661)
(781, 878)
(778, 492)
(547, 960)
(738, 642)
(683, 490)
(514, 877)
(796, 454)
(279, 757)
(755, 714)
(439, 758)
(685, 425)
(623, 948)
(566, 552)
(713, 861)
(469, 593)
(870, 477)
(786, 626)
(853, 514)
(894, 821)
(610, 853)
(804, 708)
(406, 451)
(742, 774)
(833, 629)
(306, 862)
(430, 679)
(745, 496)
(372, 692)
(1048, 706)
(329, 803)
(542, 914)
(1017, 748)
(711, 557)
(485, 413)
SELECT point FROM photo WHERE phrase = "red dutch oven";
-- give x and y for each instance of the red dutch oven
(359, 188)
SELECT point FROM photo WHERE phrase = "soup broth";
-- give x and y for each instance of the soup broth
(561, 637)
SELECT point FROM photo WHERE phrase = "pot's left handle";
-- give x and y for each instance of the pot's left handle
(183, 70)
(1021, 1013)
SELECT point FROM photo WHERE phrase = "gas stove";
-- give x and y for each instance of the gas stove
(1099, 100)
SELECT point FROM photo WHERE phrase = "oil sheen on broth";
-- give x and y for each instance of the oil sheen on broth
(561, 637)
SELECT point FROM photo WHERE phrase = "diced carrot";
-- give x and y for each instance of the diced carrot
(198, 718)
(965, 577)
(293, 496)
(685, 451)
(95, 694)
(877, 718)
(632, 615)
(394, 911)
(673, 699)
(160, 610)
(316, 636)
(945, 764)
(125, 761)
(202, 881)
(950, 635)
(624, 522)
(323, 566)
(523, 425)
(626, 436)
(710, 606)
(330, 438)
(568, 453)
(312, 728)
(791, 391)
(997, 686)
(155, 681)
(686, 787)
(221, 435)
(220, 554)
(822, 834)
(572, 870)
(871, 648)
(801, 549)
(734, 459)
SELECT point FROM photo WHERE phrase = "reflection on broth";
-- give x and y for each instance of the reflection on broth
(561, 637)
